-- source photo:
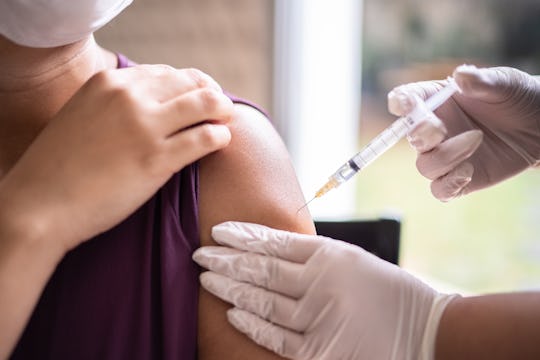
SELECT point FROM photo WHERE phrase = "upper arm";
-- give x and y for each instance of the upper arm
(251, 180)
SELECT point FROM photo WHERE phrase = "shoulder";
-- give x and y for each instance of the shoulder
(251, 180)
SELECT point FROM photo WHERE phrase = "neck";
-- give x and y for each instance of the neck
(35, 84)
(29, 69)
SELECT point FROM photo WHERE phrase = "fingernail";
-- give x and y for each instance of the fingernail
(209, 282)
(426, 136)
(218, 230)
(399, 102)
(205, 254)
(237, 319)
(199, 257)
(406, 103)
(458, 185)
(204, 280)
(222, 134)
(417, 143)
(460, 182)
(224, 233)
(475, 139)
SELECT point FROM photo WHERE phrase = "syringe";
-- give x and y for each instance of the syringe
(387, 138)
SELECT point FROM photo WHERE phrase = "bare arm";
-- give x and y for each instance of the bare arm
(118, 139)
(250, 180)
(505, 326)
(26, 264)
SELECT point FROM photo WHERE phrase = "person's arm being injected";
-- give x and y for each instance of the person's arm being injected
(310, 297)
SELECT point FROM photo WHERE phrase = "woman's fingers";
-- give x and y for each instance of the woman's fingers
(197, 106)
(191, 144)
(163, 82)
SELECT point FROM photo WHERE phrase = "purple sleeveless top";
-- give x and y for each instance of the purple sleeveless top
(129, 293)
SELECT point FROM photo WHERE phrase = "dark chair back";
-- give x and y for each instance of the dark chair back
(378, 236)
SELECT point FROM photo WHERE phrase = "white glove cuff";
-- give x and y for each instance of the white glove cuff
(427, 350)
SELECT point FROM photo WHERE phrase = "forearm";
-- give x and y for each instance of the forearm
(501, 326)
(26, 263)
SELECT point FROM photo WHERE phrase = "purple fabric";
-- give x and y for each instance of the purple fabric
(238, 100)
(129, 293)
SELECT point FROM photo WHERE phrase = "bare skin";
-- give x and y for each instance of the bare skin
(82, 142)
(250, 180)
(31, 91)
(503, 326)
(35, 84)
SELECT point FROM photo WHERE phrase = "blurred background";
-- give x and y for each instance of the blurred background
(263, 50)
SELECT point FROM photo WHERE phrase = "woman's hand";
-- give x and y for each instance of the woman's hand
(119, 138)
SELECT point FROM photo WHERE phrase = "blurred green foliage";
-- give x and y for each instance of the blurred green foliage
(488, 241)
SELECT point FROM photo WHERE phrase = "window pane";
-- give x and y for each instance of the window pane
(487, 241)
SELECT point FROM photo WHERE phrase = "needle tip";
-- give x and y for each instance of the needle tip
(306, 204)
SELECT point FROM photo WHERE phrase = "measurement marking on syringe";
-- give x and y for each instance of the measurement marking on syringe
(393, 133)
(363, 160)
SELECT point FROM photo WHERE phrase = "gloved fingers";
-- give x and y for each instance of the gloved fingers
(451, 185)
(401, 98)
(427, 134)
(282, 341)
(265, 271)
(448, 154)
(268, 305)
(492, 85)
(264, 240)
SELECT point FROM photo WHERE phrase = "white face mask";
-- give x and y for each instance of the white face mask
(50, 23)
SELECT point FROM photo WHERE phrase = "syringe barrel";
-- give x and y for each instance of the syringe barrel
(389, 137)
(384, 141)
(344, 173)
(399, 128)
(440, 97)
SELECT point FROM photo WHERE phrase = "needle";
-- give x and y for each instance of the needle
(387, 138)
(306, 204)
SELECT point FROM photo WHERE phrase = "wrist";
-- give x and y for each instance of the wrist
(441, 301)
(29, 253)
(26, 227)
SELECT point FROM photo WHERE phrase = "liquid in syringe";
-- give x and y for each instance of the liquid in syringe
(387, 138)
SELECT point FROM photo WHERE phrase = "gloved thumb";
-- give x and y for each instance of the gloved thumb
(490, 85)
(401, 100)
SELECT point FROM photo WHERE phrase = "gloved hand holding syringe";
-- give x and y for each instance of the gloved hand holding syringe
(388, 138)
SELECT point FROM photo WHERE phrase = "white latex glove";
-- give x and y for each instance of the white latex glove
(312, 297)
(491, 130)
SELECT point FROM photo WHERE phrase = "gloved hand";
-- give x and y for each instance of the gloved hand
(491, 130)
(312, 297)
